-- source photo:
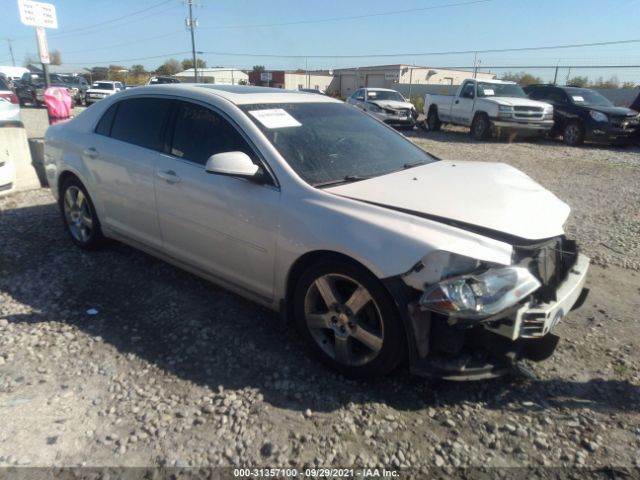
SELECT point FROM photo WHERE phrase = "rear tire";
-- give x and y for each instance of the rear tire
(481, 127)
(348, 319)
(573, 134)
(433, 120)
(79, 215)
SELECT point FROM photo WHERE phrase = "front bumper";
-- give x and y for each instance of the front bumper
(541, 125)
(441, 348)
(393, 119)
(609, 134)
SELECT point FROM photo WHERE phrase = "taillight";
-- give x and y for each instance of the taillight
(12, 97)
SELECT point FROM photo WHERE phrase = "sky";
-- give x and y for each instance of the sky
(147, 32)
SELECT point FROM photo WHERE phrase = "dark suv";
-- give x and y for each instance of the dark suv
(583, 114)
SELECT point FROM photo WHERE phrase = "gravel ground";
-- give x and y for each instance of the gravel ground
(173, 371)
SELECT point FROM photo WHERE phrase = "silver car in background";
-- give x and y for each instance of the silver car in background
(377, 251)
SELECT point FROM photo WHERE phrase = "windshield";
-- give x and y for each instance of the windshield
(72, 80)
(103, 86)
(500, 90)
(330, 143)
(383, 95)
(588, 98)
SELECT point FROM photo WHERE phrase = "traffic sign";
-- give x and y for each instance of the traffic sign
(38, 14)
(43, 48)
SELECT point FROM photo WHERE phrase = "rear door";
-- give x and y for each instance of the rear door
(224, 226)
(122, 158)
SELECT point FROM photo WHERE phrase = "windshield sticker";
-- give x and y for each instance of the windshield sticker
(578, 98)
(275, 118)
(489, 91)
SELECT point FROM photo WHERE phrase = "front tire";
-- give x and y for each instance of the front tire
(348, 319)
(79, 215)
(481, 127)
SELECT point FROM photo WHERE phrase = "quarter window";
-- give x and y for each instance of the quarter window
(200, 132)
(104, 125)
(140, 121)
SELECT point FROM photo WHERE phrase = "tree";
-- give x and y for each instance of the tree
(629, 85)
(613, 82)
(522, 78)
(100, 73)
(169, 67)
(578, 82)
(258, 68)
(137, 69)
(55, 57)
(187, 63)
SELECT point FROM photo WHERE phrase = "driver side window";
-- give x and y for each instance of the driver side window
(359, 95)
(200, 132)
(467, 91)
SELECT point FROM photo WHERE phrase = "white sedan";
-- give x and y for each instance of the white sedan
(386, 105)
(377, 251)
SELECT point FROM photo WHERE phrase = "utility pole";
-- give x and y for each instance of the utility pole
(13, 60)
(191, 25)
(475, 64)
(555, 77)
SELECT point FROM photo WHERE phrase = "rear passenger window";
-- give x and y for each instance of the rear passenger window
(104, 125)
(200, 132)
(140, 121)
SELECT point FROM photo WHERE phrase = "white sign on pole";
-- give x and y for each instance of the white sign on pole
(266, 76)
(38, 14)
(43, 48)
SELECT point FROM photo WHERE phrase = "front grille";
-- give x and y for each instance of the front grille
(549, 262)
(624, 121)
(528, 113)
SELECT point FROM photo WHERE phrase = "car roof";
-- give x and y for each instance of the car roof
(372, 89)
(239, 94)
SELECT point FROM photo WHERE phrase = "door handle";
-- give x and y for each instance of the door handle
(90, 152)
(169, 176)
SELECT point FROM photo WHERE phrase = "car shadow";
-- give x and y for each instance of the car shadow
(200, 333)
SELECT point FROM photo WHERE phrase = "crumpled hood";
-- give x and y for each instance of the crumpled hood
(517, 102)
(395, 104)
(493, 196)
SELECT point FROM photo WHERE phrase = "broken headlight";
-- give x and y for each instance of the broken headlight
(477, 296)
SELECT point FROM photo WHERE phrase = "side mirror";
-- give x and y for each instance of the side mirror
(235, 164)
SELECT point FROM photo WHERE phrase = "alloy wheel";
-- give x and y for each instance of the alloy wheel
(77, 213)
(344, 319)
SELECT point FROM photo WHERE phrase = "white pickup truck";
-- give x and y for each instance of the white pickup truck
(487, 105)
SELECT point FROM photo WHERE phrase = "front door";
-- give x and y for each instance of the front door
(225, 226)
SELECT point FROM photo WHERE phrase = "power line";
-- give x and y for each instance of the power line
(124, 60)
(425, 54)
(351, 17)
(113, 20)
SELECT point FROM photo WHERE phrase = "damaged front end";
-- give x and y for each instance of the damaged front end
(470, 319)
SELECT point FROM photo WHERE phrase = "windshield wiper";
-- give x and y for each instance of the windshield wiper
(340, 181)
(414, 164)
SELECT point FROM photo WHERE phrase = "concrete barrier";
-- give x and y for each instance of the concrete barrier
(16, 156)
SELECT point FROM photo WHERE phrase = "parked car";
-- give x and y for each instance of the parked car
(162, 80)
(485, 105)
(386, 105)
(317, 91)
(13, 73)
(103, 89)
(377, 251)
(30, 88)
(9, 113)
(78, 89)
(583, 114)
(7, 93)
